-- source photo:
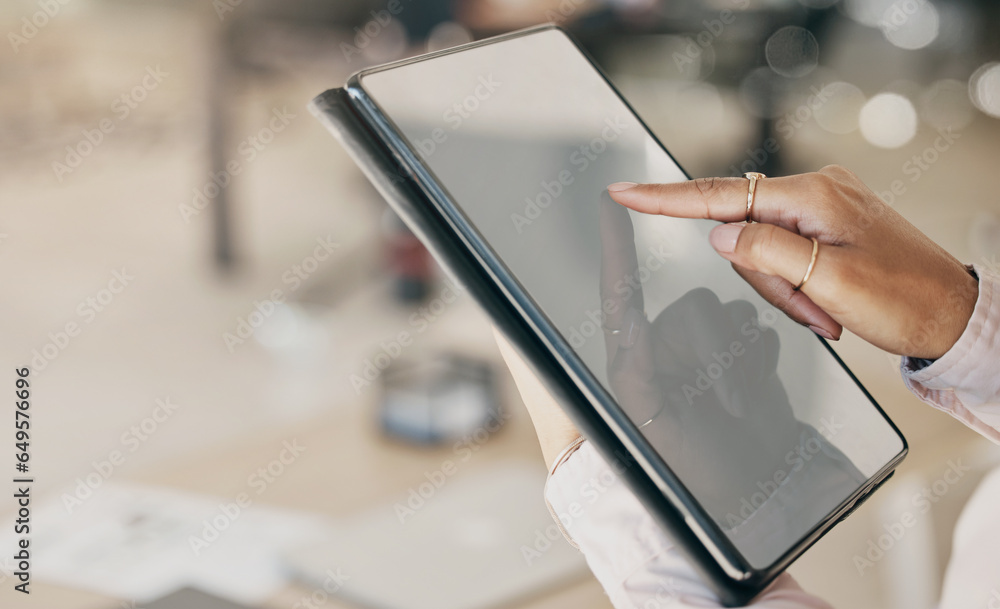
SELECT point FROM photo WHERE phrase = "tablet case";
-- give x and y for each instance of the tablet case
(335, 110)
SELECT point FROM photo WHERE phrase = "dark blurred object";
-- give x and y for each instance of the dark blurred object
(409, 261)
(229, 62)
(244, 45)
(443, 398)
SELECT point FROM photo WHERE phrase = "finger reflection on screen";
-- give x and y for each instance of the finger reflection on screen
(701, 382)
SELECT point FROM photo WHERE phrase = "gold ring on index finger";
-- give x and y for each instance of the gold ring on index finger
(753, 176)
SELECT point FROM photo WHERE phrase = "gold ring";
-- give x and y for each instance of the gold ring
(809, 269)
(753, 176)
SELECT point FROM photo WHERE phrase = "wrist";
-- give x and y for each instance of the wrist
(563, 455)
(960, 305)
(555, 443)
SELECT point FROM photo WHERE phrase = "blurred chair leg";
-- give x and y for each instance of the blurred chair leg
(219, 73)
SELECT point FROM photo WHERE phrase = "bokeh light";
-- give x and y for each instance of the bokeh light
(984, 89)
(945, 105)
(387, 42)
(792, 51)
(888, 120)
(910, 24)
(867, 12)
(839, 113)
(761, 92)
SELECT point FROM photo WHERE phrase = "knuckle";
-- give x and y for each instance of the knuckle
(826, 191)
(759, 243)
(839, 173)
(843, 232)
(708, 187)
(823, 182)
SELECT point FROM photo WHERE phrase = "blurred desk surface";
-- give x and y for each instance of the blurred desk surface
(347, 466)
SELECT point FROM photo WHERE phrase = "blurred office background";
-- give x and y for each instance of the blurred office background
(161, 179)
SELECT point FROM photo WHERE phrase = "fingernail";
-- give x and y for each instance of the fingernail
(822, 332)
(723, 237)
(620, 186)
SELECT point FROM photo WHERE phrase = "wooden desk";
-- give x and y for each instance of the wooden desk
(348, 465)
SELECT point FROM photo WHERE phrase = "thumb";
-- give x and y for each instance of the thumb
(764, 248)
(773, 260)
(794, 304)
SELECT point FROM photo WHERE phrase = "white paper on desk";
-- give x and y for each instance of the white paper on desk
(133, 542)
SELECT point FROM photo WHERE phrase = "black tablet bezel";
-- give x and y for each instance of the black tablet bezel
(592, 407)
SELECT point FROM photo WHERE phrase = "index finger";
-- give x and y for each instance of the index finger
(723, 199)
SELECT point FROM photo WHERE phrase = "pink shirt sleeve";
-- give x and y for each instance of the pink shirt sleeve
(637, 564)
(965, 381)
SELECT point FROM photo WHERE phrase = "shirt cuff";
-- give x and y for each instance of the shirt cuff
(594, 507)
(633, 559)
(965, 381)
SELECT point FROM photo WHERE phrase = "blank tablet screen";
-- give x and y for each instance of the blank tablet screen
(763, 426)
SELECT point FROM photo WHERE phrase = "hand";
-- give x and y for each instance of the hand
(689, 379)
(875, 274)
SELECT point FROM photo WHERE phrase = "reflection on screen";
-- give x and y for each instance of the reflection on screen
(763, 427)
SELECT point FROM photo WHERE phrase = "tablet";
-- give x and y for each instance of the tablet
(742, 432)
